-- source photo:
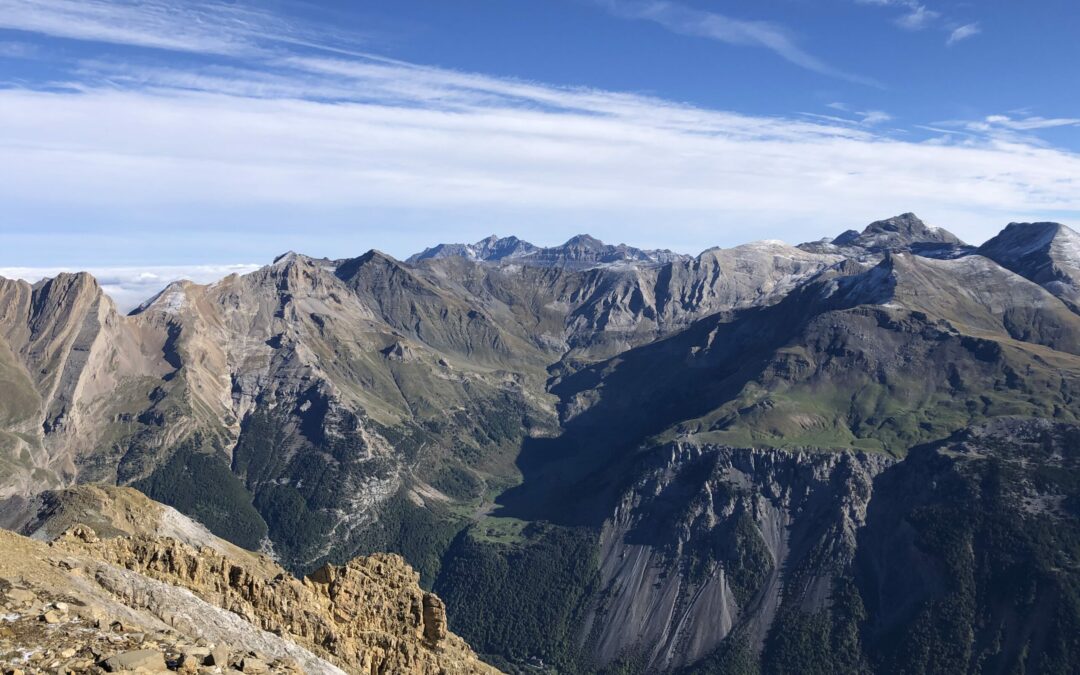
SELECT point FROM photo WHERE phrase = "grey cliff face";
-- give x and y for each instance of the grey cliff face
(696, 551)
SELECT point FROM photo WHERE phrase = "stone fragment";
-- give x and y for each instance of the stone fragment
(20, 596)
(251, 664)
(146, 659)
(219, 656)
(189, 663)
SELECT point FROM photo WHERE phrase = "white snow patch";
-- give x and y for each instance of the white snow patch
(1065, 247)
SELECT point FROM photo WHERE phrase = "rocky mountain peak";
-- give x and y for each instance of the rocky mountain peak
(581, 251)
(846, 238)
(1046, 253)
(490, 249)
(286, 257)
(170, 299)
(373, 259)
(73, 280)
(584, 241)
(1020, 239)
(297, 273)
(907, 224)
(905, 229)
(905, 232)
(377, 256)
(67, 287)
(292, 259)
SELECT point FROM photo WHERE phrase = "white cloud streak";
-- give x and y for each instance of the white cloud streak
(17, 50)
(865, 118)
(1007, 128)
(195, 27)
(918, 18)
(963, 33)
(1032, 123)
(203, 27)
(686, 20)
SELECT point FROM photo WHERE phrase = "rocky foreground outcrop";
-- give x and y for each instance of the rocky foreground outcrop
(118, 596)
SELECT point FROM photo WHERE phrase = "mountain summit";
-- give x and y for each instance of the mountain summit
(581, 252)
(906, 232)
(902, 230)
(491, 249)
(1046, 253)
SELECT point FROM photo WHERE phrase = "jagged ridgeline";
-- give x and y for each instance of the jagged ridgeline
(854, 455)
(110, 581)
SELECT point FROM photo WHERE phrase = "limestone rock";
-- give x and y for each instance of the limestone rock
(368, 614)
(147, 603)
(143, 659)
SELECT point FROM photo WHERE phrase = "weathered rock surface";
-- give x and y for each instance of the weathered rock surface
(703, 545)
(1046, 253)
(128, 600)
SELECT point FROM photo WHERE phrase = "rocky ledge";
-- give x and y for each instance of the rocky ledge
(142, 602)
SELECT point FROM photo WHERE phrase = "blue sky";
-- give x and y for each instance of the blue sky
(191, 135)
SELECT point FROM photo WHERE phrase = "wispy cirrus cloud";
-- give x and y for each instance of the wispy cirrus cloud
(201, 27)
(1032, 123)
(686, 20)
(207, 27)
(862, 117)
(17, 50)
(918, 16)
(961, 33)
(1011, 128)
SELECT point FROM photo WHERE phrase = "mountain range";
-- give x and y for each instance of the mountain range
(853, 455)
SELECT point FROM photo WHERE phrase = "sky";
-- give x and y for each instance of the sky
(150, 140)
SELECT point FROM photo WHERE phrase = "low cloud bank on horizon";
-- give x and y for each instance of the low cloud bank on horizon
(129, 287)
